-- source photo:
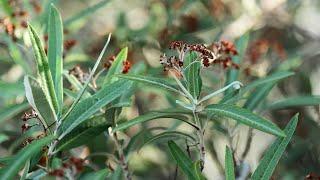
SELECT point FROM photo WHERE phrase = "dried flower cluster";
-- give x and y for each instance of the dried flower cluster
(27, 116)
(217, 53)
(72, 166)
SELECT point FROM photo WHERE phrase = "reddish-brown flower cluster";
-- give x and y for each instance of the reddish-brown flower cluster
(126, 67)
(75, 165)
(217, 53)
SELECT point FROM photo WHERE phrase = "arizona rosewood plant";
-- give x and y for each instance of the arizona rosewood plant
(98, 100)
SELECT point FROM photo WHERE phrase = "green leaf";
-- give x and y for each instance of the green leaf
(271, 78)
(241, 45)
(158, 82)
(55, 51)
(43, 69)
(183, 161)
(151, 116)
(273, 154)
(83, 134)
(244, 116)
(83, 90)
(12, 110)
(87, 11)
(295, 102)
(11, 170)
(87, 107)
(98, 175)
(257, 96)
(229, 165)
(168, 135)
(116, 66)
(37, 99)
(192, 73)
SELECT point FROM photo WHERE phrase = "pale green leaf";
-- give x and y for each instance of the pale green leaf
(43, 69)
(37, 99)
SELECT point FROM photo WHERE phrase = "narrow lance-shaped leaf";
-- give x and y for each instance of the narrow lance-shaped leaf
(116, 65)
(151, 116)
(12, 169)
(37, 99)
(158, 82)
(229, 165)
(55, 50)
(183, 161)
(87, 107)
(295, 102)
(83, 90)
(169, 135)
(192, 73)
(273, 154)
(83, 133)
(98, 175)
(244, 116)
(257, 96)
(43, 68)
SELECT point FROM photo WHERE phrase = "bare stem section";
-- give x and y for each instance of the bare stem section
(200, 134)
(122, 158)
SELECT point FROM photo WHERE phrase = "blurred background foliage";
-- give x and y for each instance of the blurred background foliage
(282, 34)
